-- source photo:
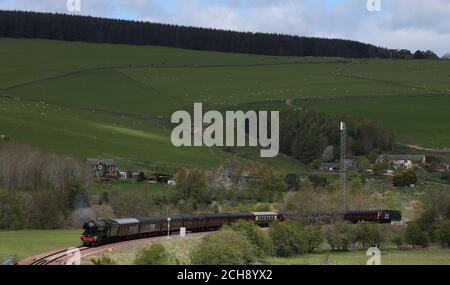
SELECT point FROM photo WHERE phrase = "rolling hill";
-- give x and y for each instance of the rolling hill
(115, 101)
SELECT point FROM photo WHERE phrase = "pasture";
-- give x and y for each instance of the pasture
(32, 242)
(115, 101)
(422, 120)
(432, 256)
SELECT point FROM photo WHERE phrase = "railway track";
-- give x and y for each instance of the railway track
(64, 256)
(58, 257)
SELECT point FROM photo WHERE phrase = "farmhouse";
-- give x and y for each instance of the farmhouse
(403, 161)
(102, 167)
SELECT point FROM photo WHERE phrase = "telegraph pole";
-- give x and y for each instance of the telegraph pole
(343, 167)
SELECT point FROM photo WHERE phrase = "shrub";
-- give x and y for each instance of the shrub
(226, 247)
(318, 181)
(104, 260)
(405, 178)
(339, 237)
(153, 255)
(255, 235)
(288, 239)
(415, 236)
(444, 234)
(314, 238)
(11, 215)
(398, 240)
(367, 235)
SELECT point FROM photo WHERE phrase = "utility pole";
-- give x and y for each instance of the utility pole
(343, 167)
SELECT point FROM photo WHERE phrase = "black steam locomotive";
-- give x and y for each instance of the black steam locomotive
(110, 231)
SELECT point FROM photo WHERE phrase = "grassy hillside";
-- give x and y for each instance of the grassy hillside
(102, 100)
(419, 120)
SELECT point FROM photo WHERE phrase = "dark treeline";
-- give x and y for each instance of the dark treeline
(306, 135)
(18, 24)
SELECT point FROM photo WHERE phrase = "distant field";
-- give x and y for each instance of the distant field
(417, 120)
(85, 134)
(32, 242)
(434, 256)
(134, 90)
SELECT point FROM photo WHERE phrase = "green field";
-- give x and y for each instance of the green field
(32, 242)
(115, 101)
(419, 120)
(433, 256)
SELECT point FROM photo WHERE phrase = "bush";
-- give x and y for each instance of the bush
(226, 247)
(405, 178)
(153, 255)
(314, 238)
(339, 237)
(104, 260)
(415, 236)
(446, 176)
(11, 215)
(444, 234)
(288, 239)
(255, 235)
(398, 240)
(368, 235)
(318, 181)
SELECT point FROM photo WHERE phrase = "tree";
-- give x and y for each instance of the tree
(156, 254)
(339, 237)
(226, 247)
(141, 177)
(318, 181)
(379, 168)
(368, 235)
(328, 154)
(415, 236)
(444, 234)
(314, 238)
(11, 214)
(20, 24)
(104, 260)
(255, 235)
(288, 239)
(192, 184)
(293, 182)
(405, 178)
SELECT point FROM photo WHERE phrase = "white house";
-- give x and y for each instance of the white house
(403, 161)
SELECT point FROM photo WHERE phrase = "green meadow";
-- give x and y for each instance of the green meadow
(115, 101)
(419, 120)
(32, 242)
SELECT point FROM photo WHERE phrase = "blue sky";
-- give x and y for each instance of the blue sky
(412, 24)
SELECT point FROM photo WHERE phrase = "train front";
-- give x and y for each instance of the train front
(92, 233)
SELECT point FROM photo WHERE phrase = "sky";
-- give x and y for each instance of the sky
(410, 24)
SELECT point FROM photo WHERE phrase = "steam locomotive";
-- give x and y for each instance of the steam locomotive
(110, 231)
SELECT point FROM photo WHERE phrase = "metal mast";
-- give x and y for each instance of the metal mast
(343, 166)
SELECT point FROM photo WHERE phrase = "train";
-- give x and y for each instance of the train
(103, 231)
